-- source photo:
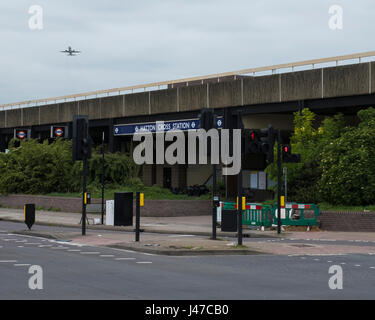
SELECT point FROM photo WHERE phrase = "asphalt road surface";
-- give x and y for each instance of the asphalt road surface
(82, 272)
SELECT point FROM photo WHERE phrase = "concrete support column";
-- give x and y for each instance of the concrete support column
(179, 176)
(159, 175)
(147, 175)
(113, 142)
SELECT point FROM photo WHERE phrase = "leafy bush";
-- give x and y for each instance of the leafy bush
(348, 165)
(40, 168)
(309, 140)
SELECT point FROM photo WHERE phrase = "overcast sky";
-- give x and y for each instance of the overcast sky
(131, 42)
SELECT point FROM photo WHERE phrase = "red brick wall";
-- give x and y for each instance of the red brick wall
(152, 208)
(347, 221)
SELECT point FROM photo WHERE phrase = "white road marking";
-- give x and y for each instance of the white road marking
(357, 265)
(74, 250)
(90, 252)
(45, 246)
(372, 267)
(120, 259)
(107, 255)
(33, 243)
(147, 254)
(20, 247)
(343, 263)
(144, 262)
(180, 235)
(22, 265)
(316, 259)
(8, 261)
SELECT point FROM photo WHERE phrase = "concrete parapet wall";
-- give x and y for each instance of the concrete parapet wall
(340, 81)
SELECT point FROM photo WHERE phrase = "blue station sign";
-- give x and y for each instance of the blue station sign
(184, 125)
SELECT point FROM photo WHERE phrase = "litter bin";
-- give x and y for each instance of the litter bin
(29, 212)
(228, 220)
(123, 209)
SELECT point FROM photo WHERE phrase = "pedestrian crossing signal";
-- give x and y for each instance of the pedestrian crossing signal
(287, 155)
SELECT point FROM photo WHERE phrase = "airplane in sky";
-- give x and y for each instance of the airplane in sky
(71, 52)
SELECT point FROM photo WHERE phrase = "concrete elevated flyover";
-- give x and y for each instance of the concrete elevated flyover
(265, 95)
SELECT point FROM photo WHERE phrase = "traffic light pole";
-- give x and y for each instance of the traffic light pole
(102, 179)
(84, 196)
(239, 209)
(278, 182)
(214, 208)
(239, 192)
(137, 216)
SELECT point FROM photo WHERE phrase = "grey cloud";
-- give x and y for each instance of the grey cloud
(131, 42)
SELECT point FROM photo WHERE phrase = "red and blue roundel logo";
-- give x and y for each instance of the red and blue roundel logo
(21, 134)
(59, 132)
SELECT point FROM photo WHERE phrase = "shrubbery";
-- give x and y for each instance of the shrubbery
(41, 168)
(338, 161)
(348, 165)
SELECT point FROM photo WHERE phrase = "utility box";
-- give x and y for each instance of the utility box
(123, 209)
(228, 220)
(109, 213)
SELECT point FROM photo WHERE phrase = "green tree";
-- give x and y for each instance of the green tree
(308, 140)
(348, 164)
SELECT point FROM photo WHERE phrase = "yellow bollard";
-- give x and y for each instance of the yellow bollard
(142, 200)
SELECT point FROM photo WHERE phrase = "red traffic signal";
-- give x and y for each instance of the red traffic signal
(287, 155)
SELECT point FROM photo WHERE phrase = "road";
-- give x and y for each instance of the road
(71, 271)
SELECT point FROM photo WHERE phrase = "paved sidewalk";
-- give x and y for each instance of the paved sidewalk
(193, 225)
(191, 236)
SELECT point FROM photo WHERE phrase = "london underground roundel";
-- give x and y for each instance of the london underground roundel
(59, 132)
(21, 134)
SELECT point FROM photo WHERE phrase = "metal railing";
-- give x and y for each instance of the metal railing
(171, 83)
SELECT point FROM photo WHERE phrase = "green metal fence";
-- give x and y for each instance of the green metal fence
(254, 215)
(297, 214)
(265, 215)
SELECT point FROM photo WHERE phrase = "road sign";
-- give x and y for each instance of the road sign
(22, 134)
(59, 132)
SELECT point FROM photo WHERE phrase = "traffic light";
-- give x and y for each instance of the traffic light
(251, 141)
(259, 141)
(287, 155)
(81, 139)
(268, 142)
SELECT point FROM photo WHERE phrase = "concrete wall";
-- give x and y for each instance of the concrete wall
(259, 121)
(348, 80)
